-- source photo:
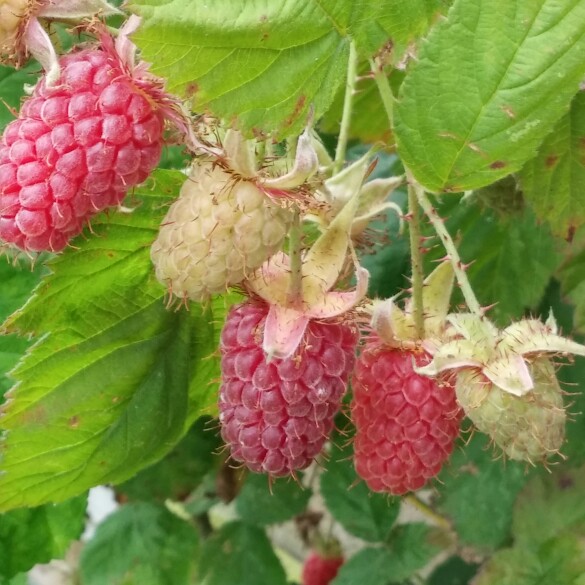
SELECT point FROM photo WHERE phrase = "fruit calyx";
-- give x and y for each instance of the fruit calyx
(238, 156)
(502, 356)
(396, 326)
(27, 35)
(337, 190)
(299, 288)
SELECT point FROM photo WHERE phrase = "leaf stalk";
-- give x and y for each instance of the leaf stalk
(347, 109)
(451, 249)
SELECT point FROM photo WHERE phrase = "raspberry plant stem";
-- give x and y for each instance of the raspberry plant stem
(347, 109)
(383, 89)
(425, 509)
(295, 292)
(387, 97)
(455, 259)
(416, 261)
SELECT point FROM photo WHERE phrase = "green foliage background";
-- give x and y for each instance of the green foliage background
(103, 384)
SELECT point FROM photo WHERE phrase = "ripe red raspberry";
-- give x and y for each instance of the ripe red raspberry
(320, 570)
(276, 416)
(75, 149)
(406, 423)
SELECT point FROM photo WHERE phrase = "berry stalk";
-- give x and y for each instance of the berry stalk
(295, 292)
(425, 509)
(416, 261)
(347, 109)
(449, 245)
(383, 89)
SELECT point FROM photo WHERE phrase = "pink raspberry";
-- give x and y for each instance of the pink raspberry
(406, 423)
(319, 569)
(276, 415)
(76, 148)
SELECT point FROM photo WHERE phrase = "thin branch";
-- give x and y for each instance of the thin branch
(417, 263)
(452, 253)
(425, 509)
(295, 292)
(384, 89)
(347, 109)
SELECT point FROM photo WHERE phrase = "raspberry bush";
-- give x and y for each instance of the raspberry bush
(300, 286)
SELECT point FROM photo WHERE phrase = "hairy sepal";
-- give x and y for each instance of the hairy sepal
(396, 326)
(290, 312)
(504, 357)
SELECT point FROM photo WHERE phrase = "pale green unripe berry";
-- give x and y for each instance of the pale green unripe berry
(219, 230)
(527, 428)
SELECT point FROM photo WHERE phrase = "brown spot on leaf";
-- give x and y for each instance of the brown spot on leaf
(191, 89)
(565, 482)
(498, 164)
(74, 422)
(551, 160)
(259, 134)
(571, 233)
(296, 112)
(508, 111)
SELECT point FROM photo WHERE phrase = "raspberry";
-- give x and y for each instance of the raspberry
(219, 230)
(527, 428)
(12, 13)
(276, 416)
(406, 424)
(75, 149)
(320, 570)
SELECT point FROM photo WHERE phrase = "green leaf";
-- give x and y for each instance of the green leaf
(12, 84)
(262, 501)
(370, 565)
(553, 181)
(572, 278)
(266, 64)
(20, 579)
(239, 553)
(141, 544)
(454, 571)
(364, 514)
(18, 282)
(182, 470)
(411, 548)
(491, 82)
(372, 24)
(549, 505)
(560, 561)
(478, 494)
(38, 535)
(512, 258)
(116, 379)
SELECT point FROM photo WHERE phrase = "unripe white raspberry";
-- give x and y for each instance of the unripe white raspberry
(220, 229)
